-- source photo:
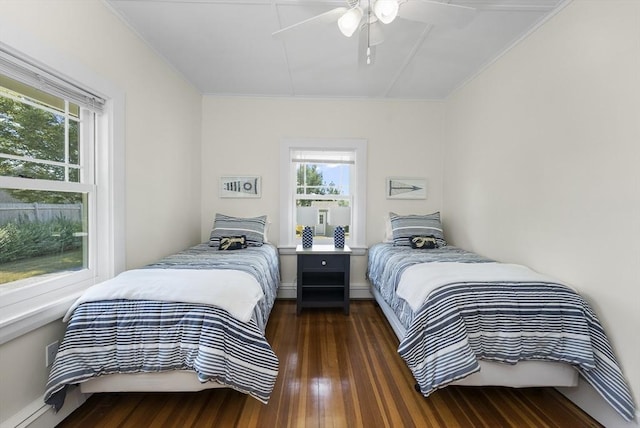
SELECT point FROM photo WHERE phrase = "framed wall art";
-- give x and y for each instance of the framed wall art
(406, 188)
(245, 186)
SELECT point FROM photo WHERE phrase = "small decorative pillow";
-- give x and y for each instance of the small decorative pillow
(233, 243)
(423, 242)
(252, 228)
(404, 227)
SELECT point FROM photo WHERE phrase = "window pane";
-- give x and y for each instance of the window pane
(74, 175)
(74, 142)
(323, 216)
(30, 131)
(41, 233)
(323, 179)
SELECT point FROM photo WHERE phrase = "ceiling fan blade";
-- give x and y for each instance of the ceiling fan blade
(436, 13)
(324, 18)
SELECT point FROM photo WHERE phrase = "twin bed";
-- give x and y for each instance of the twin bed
(464, 319)
(196, 320)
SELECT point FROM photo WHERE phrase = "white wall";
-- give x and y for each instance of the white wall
(542, 162)
(162, 143)
(242, 136)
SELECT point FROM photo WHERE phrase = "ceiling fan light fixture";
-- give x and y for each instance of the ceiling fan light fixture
(349, 22)
(386, 10)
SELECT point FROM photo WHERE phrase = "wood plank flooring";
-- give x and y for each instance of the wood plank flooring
(335, 371)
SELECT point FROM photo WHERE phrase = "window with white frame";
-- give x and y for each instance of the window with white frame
(323, 186)
(49, 133)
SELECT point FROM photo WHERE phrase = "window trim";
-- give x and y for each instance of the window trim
(22, 315)
(287, 186)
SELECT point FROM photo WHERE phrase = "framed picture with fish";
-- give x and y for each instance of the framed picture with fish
(245, 186)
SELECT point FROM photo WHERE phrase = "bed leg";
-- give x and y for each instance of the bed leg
(417, 387)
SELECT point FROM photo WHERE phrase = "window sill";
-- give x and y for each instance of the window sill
(15, 326)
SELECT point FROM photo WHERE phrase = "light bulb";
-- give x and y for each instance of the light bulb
(348, 23)
(386, 10)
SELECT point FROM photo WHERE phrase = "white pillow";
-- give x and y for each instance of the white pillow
(266, 229)
(388, 231)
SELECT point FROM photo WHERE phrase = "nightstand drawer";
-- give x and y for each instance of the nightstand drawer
(323, 262)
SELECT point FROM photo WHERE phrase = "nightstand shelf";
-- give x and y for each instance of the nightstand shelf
(323, 277)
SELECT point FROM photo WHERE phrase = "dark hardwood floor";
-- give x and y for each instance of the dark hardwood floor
(335, 371)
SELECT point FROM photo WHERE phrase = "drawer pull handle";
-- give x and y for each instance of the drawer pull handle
(324, 263)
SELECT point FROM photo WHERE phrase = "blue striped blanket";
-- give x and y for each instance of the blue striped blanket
(147, 336)
(464, 321)
(261, 262)
(387, 263)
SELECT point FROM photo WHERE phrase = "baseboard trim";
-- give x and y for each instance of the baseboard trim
(40, 415)
(287, 290)
(588, 399)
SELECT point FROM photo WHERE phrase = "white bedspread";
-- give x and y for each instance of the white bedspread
(235, 291)
(419, 280)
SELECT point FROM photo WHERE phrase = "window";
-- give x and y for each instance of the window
(54, 241)
(44, 213)
(323, 186)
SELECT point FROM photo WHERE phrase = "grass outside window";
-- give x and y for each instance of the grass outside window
(23, 269)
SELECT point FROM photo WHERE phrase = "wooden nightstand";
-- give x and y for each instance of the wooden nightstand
(323, 277)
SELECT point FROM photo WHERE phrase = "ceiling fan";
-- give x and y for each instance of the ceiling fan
(370, 15)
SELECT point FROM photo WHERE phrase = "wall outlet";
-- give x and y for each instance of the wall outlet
(50, 353)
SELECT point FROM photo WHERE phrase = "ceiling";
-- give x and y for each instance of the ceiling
(227, 48)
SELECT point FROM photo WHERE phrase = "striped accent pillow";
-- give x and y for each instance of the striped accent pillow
(404, 227)
(253, 228)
